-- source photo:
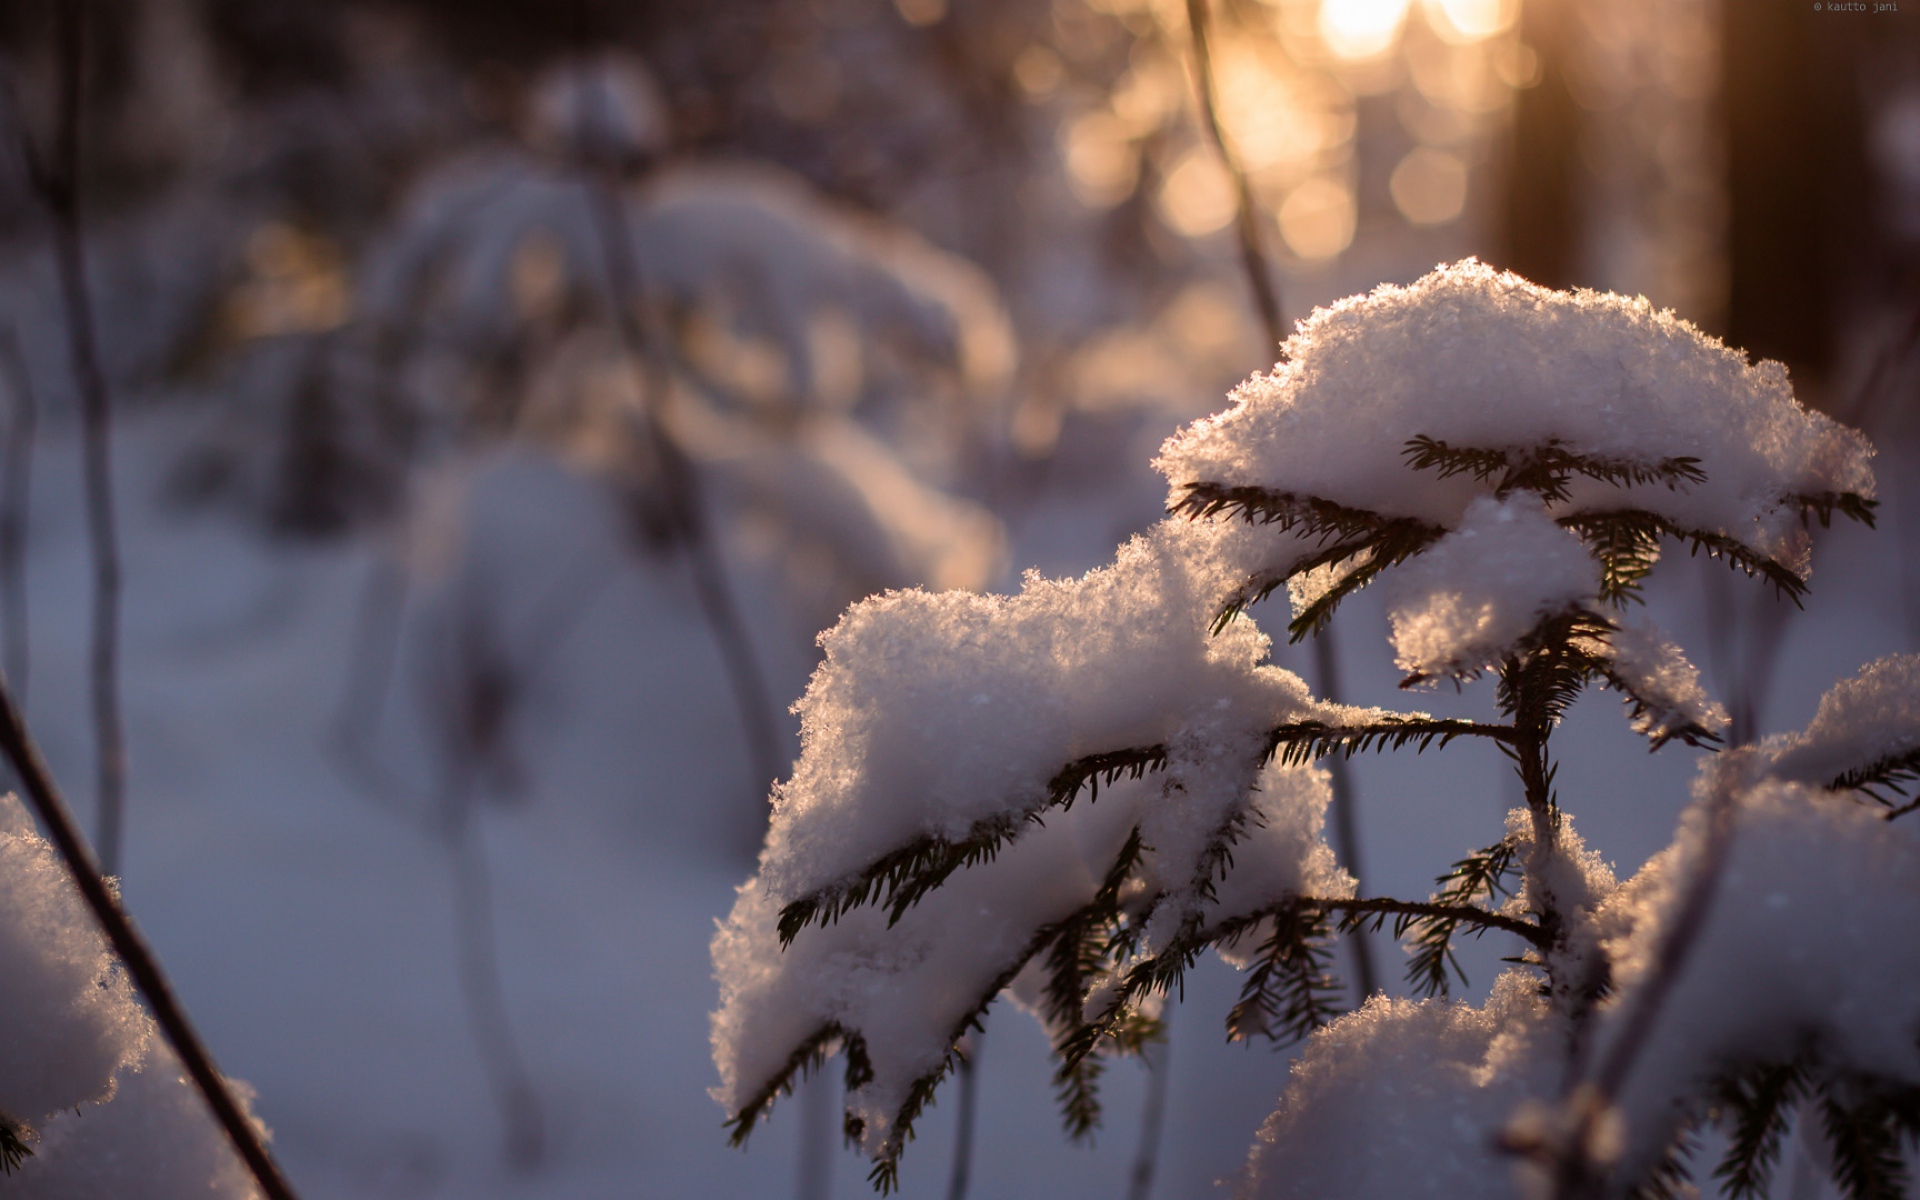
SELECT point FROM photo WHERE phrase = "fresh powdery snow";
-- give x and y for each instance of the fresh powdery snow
(1483, 359)
(103, 1101)
(1668, 690)
(1872, 717)
(1456, 608)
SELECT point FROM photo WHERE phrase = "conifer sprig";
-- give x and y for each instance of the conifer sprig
(1633, 534)
(1302, 742)
(1863, 1140)
(1821, 506)
(1760, 1101)
(1478, 879)
(904, 876)
(1290, 990)
(1547, 468)
(1670, 1178)
(13, 1147)
(1893, 773)
(1342, 534)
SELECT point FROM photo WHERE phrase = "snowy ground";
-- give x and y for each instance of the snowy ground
(308, 923)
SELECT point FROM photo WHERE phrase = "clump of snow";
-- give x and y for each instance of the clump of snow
(1808, 942)
(1658, 675)
(1483, 587)
(1283, 851)
(156, 1140)
(934, 712)
(1483, 359)
(1873, 716)
(1406, 1098)
(71, 1022)
(1566, 878)
(106, 1111)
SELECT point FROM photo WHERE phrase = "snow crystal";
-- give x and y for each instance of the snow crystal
(1873, 716)
(1667, 686)
(1483, 359)
(71, 1020)
(1405, 1098)
(1483, 587)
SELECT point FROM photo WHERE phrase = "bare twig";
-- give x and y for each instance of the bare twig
(1146, 1156)
(679, 478)
(1253, 255)
(139, 960)
(476, 699)
(15, 502)
(56, 179)
(480, 983)
(1266, 299)
(969, 1070)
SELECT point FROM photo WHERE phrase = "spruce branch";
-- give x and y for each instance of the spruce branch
(1290, 990)
(14, 1150)
(1304, 741)
(1670, 1178)
(56, 180)
(1821, 506)
(144, 969)
(1760, 1100)
(1635, 528)
(1072, 949)
(1547, 468)
(1644, 707)
(1892, 772)
(902, 877)
(1479, 878)
(1341, 533)
(1863, 1140)
(806, 1058)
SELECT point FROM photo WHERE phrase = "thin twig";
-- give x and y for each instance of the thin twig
(15, 504)
(480, 981)
(681, 480)
(969, 1070)
(139, 960)
(1266, 299)
(56, 178)
(1146, 1156)
(1253, 255)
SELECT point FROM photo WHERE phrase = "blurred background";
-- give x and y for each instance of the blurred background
(503, 394)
